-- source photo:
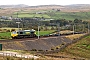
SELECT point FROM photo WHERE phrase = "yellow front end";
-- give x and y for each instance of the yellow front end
(14, 34)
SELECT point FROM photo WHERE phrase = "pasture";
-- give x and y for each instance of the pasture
(7, 35)
(54, 15)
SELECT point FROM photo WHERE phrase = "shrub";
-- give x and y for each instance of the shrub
(34, 50)
(52, 49)
(7, 30)
(40, 50)
(12, 30)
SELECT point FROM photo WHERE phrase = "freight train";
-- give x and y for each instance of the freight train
(23, 34)
(32, 34)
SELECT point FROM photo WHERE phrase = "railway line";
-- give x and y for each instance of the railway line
(48, 44)
(36, 38)
(27, 39)
(42, 46)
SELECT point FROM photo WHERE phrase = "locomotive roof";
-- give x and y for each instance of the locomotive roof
(25, 30)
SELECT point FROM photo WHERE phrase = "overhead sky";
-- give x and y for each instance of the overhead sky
(43, 2)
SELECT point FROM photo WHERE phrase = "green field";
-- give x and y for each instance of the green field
(56, 15)
(45, 32)
(7, 35)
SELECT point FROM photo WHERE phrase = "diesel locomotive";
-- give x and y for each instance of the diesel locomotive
(23, 34)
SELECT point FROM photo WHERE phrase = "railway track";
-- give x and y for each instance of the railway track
(36, 38)
(26, 39)
(12, 40)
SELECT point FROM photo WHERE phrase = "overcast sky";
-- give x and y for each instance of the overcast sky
(43, 2)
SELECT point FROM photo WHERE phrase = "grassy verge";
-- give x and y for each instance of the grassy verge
(79, 49)
(5, 35)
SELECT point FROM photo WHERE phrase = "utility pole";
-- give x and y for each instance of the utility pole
(88, 27)
(59, 29)
(58, 25)
(38, 32)
(73, 29)
(83, 27)
(18, 24)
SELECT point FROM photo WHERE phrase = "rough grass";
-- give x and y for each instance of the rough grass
(5, 35)
(77, 51)
(72, 37)
(80, 49)
(57, 15)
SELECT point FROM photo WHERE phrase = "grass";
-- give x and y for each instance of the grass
(44, 32)
(57, 15)
(72, 37)
(21, 15)
(80, 49)
(7, 35)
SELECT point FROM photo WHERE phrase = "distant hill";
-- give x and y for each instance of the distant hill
(21, 7)
(13, 6)
(79, 6)
(48, 6)
(66, 8)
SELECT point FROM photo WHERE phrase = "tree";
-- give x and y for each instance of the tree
(77, 21)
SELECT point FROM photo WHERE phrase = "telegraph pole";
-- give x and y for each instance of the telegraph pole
(18, 24)
(58, 25)
(83, 27)
(88, 27)
(73, 29)
(38, 30)
(59, 28)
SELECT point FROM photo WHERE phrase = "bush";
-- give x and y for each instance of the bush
(34, 50)
(57, 48)
(7, 30)
(52, 49)
(12, 30)
(40, 50)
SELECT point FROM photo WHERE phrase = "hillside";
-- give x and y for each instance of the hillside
(66, 8)
(68, 12)
(81, 49)
(13, 6)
